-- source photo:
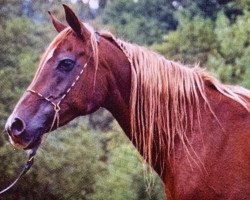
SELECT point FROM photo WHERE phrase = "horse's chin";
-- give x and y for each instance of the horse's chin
(32, 144)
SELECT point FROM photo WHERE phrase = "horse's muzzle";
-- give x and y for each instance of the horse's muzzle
(16, 129)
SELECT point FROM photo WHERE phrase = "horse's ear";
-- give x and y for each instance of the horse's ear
(75, 23)
(59, 26)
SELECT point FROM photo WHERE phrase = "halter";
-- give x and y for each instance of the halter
(57, 108)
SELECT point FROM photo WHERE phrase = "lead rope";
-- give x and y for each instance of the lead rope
(26, 168)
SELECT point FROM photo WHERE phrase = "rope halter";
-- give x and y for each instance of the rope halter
(57, 108)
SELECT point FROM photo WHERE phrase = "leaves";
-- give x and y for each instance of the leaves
(219, 45)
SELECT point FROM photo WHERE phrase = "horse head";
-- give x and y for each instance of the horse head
(66, 85)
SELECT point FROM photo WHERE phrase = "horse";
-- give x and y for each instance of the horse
(189, 127)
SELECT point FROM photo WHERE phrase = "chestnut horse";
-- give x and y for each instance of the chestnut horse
(193, 130)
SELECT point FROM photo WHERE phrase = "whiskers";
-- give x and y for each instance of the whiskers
(4, 132)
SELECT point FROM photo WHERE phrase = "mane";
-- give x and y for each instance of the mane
(165, 98)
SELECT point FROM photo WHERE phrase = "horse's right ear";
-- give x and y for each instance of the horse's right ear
(59, 26)
(76, 25)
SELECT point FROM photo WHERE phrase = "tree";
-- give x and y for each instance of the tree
(192, 42)
(146, 19)
(231, 59)
(23, 45)
(210, 8)
(220, 45)
(124, 177)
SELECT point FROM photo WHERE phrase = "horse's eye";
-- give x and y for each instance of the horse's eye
(66, 65)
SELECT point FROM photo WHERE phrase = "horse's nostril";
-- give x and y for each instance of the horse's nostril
(17, 127)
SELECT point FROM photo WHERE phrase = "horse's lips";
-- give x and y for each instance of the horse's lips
(33, 144)
(20, 143)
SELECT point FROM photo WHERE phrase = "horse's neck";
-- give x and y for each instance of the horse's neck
(230, 121)
(115, 64)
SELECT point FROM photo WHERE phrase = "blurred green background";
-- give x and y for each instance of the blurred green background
(91, 158)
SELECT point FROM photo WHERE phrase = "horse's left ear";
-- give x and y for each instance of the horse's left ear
(75, 23)
(59, 26)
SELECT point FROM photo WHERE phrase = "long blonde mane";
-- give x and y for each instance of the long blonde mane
(165, 100)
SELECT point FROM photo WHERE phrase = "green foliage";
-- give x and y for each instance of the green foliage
(9, 10)
(210, 8)
(23, 44)
(191, 42)
(68, 162)
(124, 177)
(75, 159)
(142, 21)
(145, 21)
(230, 59)
(220, 45)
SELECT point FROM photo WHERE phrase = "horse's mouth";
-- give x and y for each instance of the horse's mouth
(33, 144)
(26, 145)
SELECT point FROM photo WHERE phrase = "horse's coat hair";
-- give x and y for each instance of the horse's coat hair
(45, 57)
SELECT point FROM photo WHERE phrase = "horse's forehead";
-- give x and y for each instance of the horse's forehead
(65, 40)
(59, 42)
(50, 54)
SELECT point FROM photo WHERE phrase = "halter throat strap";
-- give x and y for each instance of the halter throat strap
(97, 37)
